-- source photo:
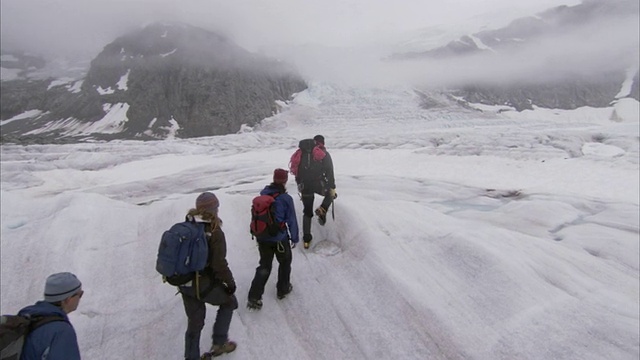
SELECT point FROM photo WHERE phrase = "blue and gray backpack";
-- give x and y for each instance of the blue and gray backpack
(183, 251)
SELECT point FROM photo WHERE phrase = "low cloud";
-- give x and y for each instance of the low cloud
(342, 41)
(85, 26)
(592, 50)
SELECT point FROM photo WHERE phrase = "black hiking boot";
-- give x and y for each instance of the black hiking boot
(322, 215)
(283, 294)
(255, 304)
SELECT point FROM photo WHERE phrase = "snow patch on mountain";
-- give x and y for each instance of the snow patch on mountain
(172, 129)
(76, 87)
(107, 91)
(59, 125)
(169, 53)
(113, 122)
(122, 83)
(25, 115)
(625, 90)
(61, 81)
(480, 44)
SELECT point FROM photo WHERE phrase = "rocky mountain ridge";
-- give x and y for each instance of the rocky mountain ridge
(162, 81)
(175, 80)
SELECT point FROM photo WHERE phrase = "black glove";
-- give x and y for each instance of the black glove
(230, 289)
(293, 245)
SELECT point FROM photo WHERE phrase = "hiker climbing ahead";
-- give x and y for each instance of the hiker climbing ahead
(313, 168)
(275, 227)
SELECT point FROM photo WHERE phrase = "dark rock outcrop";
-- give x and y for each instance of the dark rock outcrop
(563, 94)
(168, 79)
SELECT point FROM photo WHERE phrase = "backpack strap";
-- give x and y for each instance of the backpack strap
(39, 321)
(281, 225)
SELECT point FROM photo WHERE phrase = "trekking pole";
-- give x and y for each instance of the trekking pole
(333, 210)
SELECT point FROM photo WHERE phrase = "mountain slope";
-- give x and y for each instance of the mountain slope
(162, 81)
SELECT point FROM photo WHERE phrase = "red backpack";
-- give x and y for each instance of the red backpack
(263, 217)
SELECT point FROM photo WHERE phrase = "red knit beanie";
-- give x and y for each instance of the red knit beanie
(280, 176)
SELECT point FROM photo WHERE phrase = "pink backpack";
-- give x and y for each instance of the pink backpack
(308, 147)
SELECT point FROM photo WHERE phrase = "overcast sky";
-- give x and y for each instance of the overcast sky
(85, 26)
(334, 40)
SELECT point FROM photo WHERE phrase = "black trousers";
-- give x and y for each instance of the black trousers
(307, 201)
(282, 252)
(196, 312)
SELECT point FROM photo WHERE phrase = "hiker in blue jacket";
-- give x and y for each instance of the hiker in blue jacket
(279, 245)
(55, 340)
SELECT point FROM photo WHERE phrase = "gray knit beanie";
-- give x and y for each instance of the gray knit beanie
(61, 286)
